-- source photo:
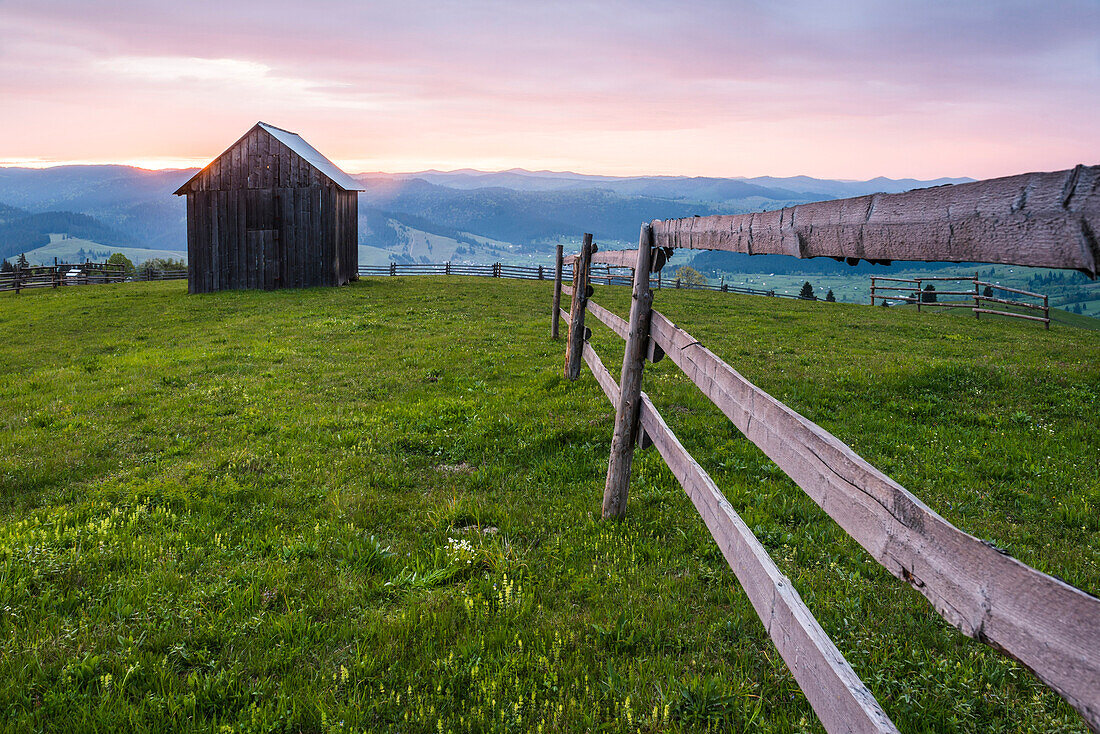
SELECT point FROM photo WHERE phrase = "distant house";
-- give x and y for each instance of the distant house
(271, 212)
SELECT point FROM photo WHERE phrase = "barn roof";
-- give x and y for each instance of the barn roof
(306, 151)
(314, 157)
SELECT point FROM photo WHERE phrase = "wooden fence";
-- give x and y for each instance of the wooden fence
(982, 292)
(61, 274)
(489, 270)
(1049, 626)
(611, 275)
(67, 274)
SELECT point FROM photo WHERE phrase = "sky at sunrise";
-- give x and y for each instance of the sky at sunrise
(832, 89)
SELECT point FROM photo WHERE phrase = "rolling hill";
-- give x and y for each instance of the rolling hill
(476, 215)
(32, 231)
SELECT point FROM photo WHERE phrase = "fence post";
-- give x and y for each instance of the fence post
(1046, 312)
(574, 348)
(920, 295)
(540, 272)
(977, 303)
(393, 268)
(617, 487)
(658, 280)
(447, 269)
(677, 284)
(556, 316)
(872, 290)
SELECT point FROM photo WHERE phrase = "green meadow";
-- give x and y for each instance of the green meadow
(377, 508)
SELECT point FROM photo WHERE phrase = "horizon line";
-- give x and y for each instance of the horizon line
(184, 165)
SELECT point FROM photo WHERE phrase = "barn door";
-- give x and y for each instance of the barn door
(263, 244)
(272, 261)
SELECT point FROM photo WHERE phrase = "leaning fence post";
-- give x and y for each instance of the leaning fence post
(574, 348)
(977, 303)
(555, 318)
(617, 486)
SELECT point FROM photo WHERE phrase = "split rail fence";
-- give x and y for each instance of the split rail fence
(62, 274)
(913, 292)
(1043, 219)
(488, 270)
(53, 276)
(610, 275)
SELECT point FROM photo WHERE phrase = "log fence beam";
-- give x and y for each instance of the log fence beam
(1049, 220)
(839, 698)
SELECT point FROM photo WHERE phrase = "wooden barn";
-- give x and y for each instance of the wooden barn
(271, 212)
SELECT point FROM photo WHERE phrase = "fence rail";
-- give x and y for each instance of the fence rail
(491, 270)
(60, 274)
(1046, 624)
(1036, 219)
(540, 272)
(982, 292)
(69, 274)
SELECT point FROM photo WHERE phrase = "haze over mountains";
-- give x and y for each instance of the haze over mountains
(423, 216)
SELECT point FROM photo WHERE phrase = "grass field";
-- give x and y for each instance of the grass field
(376, 508)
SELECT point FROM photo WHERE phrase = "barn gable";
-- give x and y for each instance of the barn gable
(268, 157)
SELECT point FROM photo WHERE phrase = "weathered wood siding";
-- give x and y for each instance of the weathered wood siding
(260, 216)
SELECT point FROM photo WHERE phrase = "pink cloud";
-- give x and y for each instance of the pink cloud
(851, 89)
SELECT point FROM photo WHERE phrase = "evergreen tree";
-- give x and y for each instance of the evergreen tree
(830, 297)
(22, 263)
(988, 291)
(807, 292)
(6, 267)
(929, 295)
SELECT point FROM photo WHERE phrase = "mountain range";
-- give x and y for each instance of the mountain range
(423, 216)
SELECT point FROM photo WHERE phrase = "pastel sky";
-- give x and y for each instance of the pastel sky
(833, 89)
